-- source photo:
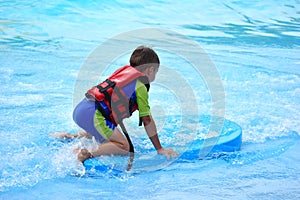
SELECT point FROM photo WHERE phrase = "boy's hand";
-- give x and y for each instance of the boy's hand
(169, 153)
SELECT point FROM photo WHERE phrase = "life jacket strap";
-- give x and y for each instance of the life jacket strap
(110, 84)
(131, 148)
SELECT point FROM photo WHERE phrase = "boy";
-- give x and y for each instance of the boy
(106, 104)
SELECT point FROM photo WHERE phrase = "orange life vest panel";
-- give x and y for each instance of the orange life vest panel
(116, 92)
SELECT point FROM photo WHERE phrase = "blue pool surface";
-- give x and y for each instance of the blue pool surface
(253, 45)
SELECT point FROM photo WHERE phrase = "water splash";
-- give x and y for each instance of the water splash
(37, 161)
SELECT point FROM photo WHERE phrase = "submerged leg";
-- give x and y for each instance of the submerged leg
(66, 135)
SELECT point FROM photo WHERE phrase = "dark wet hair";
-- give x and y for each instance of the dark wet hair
(144, 57)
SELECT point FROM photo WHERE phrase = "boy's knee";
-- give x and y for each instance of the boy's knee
(124, 145)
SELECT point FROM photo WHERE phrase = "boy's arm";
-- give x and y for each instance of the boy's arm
(151, 130)
(149, 124)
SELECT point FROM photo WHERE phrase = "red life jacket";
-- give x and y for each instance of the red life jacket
(117, 93)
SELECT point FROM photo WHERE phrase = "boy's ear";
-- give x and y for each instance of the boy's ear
(152, 68)
(149, 69)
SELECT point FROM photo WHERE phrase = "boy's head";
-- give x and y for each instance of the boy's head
(145, 60)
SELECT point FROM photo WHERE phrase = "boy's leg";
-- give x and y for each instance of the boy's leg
(116, 144)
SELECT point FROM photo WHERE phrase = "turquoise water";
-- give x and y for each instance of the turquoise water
(255, 47)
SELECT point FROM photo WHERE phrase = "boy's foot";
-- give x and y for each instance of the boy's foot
(83, 155)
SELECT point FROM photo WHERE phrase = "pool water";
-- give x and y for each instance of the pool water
(255, 47)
